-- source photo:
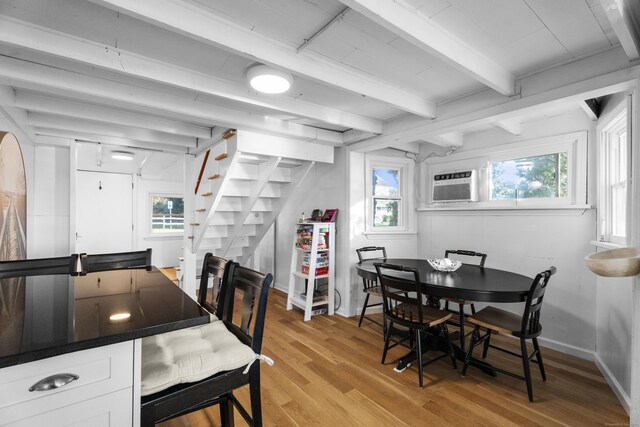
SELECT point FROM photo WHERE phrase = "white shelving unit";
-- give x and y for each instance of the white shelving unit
(301, 285)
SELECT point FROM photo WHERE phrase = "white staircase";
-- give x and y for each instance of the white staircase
(246, 182)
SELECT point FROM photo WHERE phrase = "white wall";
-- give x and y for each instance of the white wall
(397, 245)
(528, 242)
(323, 188)
(50, 208)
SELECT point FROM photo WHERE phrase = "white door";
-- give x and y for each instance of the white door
(104, 207)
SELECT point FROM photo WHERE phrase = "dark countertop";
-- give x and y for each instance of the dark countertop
(45, 316)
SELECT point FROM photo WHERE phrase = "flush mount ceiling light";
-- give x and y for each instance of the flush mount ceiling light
(122, 155)
(268, 80)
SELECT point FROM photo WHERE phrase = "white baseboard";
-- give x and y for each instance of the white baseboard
(567, 348)
(625, 401)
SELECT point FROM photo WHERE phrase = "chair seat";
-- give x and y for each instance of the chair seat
(190, 355)
(432, 316)
(497, 320)
(457, 301)
(375, 290)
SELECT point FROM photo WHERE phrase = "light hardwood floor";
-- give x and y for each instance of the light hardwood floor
(327, 372)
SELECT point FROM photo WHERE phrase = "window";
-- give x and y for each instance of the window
(544, 176)
(387, 200)
(613, 173)
(167, 214)
(549, 172)
(387, 187)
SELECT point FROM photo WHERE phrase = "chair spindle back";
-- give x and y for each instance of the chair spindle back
(531, 317)
(482, 256)
(401, 296)
(219, 269)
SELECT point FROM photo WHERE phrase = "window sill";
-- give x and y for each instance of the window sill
(606, 245)
(389, 233)
(505, 208)
(164, 237)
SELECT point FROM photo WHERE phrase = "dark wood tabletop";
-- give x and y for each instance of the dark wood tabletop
(469, 282)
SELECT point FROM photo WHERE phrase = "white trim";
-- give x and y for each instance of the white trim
(572, 350)
(574, 143)
(505, 208)
(625, 401)
(605, 245)
(406, 190)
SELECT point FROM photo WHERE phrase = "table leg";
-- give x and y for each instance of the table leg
(435, 342)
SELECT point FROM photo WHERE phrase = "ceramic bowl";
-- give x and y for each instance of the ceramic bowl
(623, 262)
(444, 264)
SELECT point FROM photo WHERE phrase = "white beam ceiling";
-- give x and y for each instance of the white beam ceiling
(465, 113)
(194, 21)
(41, 39)
(24, 74)
(623, 16)
(513, 126)
(412, 25)
(45, 120)
(46, 104)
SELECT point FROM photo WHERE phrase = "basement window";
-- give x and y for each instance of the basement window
(167, 214)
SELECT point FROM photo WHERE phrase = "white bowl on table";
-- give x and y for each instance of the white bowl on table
(444, 264)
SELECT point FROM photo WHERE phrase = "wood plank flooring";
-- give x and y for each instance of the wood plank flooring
(327, 372)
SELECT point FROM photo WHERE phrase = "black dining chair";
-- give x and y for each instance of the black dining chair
(41, 266)
(461, 302)
(213, 269)
(245, 325)
(370, 284)
(527, 326)
(403, 304)
(116, 261)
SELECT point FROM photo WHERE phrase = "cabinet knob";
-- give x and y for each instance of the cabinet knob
(54, 381)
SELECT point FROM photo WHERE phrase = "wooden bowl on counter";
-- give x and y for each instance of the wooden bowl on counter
(623, 262)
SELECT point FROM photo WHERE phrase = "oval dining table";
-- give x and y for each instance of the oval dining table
(469, 282)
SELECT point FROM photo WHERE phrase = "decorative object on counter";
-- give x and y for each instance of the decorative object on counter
(316, 215)
(444, 264)
(330, 215)
(302, 219)
(13, 200)
(622, 262)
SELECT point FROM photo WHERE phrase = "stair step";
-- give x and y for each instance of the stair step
(220, 156)
(201, 210)
(207, 194)
(214, 176)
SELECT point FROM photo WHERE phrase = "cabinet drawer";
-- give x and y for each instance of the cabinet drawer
(100, 371)
(110, 410)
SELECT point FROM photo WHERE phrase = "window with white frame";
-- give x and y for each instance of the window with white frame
(167, 214)
(387, 187)
(545, 172)
(613, 179)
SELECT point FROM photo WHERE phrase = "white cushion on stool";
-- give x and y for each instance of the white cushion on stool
(190, 355)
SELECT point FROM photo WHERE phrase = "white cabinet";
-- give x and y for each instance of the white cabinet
(313, 258)
(94, 387)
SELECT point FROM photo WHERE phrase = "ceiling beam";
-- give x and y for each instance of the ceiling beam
(195, 21)
(417, 28)
(450, 139)
(30, 36)
(513, 126)
(46, 104)
(25, 74)
(45, 120)
(110, 140)
(622, 16)
(459, 115)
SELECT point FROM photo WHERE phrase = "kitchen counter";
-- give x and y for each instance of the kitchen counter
(45, 316)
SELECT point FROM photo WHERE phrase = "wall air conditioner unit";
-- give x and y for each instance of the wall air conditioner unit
(455, 187)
